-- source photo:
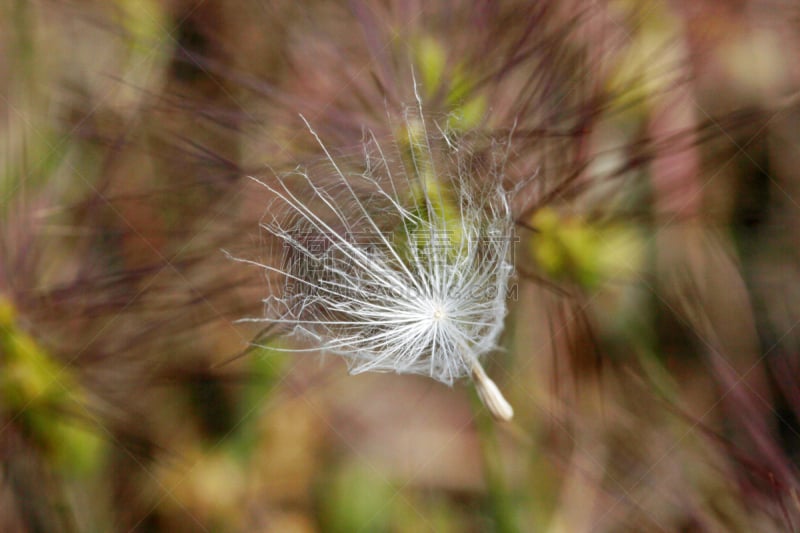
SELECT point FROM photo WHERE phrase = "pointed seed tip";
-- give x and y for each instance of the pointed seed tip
(491, 396)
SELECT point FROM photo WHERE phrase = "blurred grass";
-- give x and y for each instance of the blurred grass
(122, 125)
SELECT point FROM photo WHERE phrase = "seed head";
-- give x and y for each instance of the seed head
(401, 265)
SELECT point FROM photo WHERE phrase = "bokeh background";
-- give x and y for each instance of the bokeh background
(650, 350)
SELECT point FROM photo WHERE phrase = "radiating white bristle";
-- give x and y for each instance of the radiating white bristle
(427, 293)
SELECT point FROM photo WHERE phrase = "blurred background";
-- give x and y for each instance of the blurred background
(651, 346)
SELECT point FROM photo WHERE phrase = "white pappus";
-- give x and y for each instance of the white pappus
(402, 265)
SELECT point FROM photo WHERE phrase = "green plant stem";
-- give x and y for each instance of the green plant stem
(500, 500)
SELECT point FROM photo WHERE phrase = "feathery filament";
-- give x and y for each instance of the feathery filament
(402, 266)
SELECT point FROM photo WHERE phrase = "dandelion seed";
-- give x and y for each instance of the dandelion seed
(400, 267)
